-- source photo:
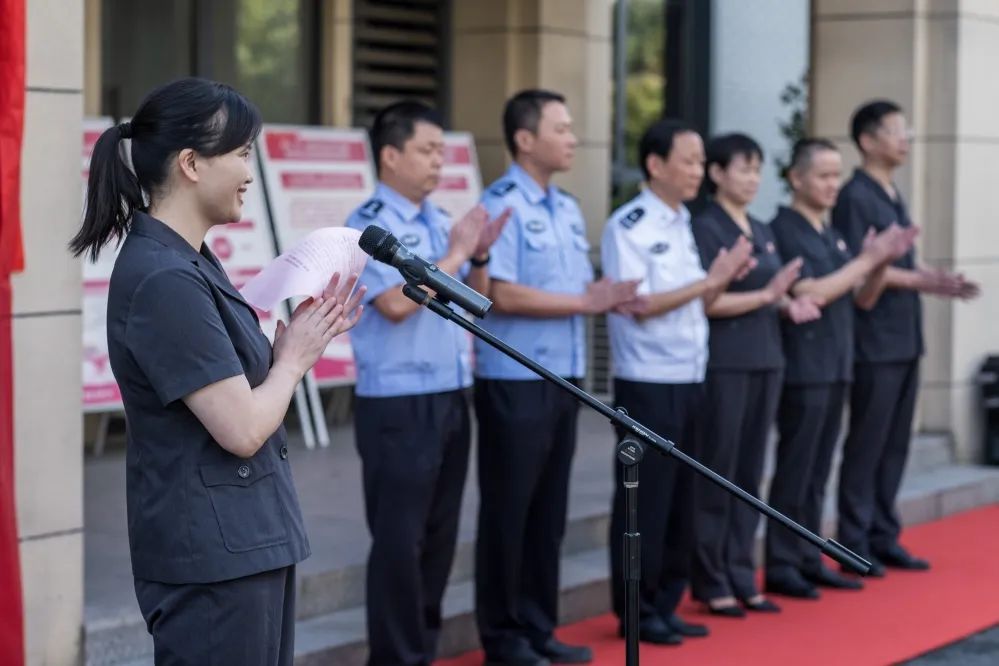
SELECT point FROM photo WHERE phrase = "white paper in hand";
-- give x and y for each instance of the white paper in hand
(307, 268)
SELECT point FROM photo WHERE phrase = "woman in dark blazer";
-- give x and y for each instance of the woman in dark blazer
(215, 529)
(745, 365)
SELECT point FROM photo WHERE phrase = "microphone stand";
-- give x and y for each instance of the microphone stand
(630, 453)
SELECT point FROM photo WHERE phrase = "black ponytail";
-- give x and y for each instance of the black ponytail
(208, 117)
(113, 195)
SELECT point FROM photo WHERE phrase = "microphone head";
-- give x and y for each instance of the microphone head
(375, 241)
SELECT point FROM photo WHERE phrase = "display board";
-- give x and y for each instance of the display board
(315, 177)
(100, 391)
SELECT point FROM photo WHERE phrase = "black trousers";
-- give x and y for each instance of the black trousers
(881, 409)
(247, 621)
(741, 407)
(809, 420)
(665, 516)
(414, 453)
(527, 438)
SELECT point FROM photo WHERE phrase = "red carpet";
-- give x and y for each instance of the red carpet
(894, 618)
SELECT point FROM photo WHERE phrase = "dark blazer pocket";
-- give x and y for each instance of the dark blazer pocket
(245, 500)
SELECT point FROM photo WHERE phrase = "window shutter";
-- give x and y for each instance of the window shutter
(400, 51)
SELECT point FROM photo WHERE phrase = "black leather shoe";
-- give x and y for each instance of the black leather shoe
(899, 558)
(516, 654)
(655, 630)
(826, 577)
(762, 606)
(518, 660)
(558, 652)
(686, 628)
(791, 586)
(727, 611)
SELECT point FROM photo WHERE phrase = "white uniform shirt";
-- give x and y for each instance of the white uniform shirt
(647, 240)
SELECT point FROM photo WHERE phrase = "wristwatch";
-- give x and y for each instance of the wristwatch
(479, 263)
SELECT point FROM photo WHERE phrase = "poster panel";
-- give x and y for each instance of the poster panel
(316, 177)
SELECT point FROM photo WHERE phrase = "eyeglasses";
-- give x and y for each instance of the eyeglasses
(906, 133)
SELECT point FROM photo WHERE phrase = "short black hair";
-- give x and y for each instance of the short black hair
(658, 140)
(724, 148)
(395, 124)
(523, 111)
(867, 119)
(804, 151)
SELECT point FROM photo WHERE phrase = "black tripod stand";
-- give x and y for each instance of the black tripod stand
(630, 453)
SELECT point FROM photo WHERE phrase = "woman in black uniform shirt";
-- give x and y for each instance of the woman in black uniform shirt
(745, 364)
(214, 524)
(819, 360)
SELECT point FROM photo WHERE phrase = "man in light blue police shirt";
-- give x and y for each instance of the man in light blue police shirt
(542, 285)
(412, 422)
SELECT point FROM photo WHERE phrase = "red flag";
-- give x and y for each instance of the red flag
(12, 59)
(12, 63)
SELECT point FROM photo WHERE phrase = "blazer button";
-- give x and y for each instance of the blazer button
(284, 453)
(243, 471)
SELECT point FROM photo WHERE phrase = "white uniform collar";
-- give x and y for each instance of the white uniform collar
(661, 210)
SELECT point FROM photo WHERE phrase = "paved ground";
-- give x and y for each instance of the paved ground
(981, 649)
(329, 487)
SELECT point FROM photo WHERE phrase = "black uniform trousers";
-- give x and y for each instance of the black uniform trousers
(741, 406)
(665, 516)
(809, 420)
(527, 438)
(247, 621)
(414, 453)
(882, 404)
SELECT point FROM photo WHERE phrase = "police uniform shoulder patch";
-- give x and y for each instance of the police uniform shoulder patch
(632, 218)
(659, 248)
(503, 188)
(371, 209)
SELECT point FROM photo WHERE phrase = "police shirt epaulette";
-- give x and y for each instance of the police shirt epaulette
(632, 218)
(371, 208)
(568, 194)
(443, 211)
(503, 188)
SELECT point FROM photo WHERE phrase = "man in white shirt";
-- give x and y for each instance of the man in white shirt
(659, 347)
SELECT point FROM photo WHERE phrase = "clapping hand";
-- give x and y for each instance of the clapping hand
(317, 321)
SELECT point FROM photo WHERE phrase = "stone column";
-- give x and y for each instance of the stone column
(337, 62)
(48, 447)
(503, 46)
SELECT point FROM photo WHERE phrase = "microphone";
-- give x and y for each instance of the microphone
(386, 248)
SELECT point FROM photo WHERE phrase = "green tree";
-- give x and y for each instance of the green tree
(645, 85)
(794, 97)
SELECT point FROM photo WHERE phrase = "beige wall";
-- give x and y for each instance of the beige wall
(935, 58)
(48, 453)
(502, 46)
(336, 66)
